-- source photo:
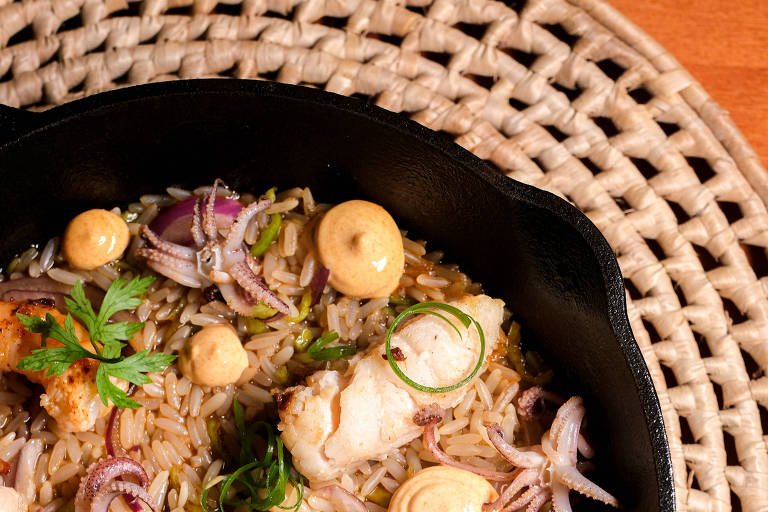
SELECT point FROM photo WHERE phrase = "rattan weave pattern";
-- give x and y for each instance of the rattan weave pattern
(563, 94)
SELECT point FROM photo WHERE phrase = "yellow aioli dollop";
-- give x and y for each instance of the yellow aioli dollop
(442, 489)
(94, 238)
(213, 357)
(360, 243)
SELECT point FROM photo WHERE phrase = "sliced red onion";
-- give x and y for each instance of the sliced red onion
(341, 498)
(102, 499)
(174, 224)
(317, 285)
(55, 299)
(114, 448)
(30, 288)
(43, 287)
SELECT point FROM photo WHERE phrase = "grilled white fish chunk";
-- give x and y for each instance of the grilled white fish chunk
(336, 420)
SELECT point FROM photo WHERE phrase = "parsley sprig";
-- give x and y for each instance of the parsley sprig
(106, 339)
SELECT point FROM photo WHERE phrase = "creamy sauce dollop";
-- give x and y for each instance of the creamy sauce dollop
(94, 238)
(442, 489)
(214, 356)
(360, 243)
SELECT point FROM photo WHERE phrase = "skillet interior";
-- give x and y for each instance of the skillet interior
(539, 254)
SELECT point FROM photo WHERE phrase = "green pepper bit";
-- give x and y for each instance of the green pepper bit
(304, 307)
(13, 264)
(255, 326)
(401, 300)
(212, 429)
(176, 311)
(269, 233)
(129, 216)
(303, 339)
(262, 311)
(282, 376)
(380, 496)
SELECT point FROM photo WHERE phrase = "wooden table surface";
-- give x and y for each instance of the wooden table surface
(724, 45)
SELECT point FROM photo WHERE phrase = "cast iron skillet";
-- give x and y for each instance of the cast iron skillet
(533, 250)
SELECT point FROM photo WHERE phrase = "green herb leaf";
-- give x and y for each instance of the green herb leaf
(108, 391)
(426, 308)
(134, 367)
(120, 296)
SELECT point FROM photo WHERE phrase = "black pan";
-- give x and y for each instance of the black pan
(536, 252)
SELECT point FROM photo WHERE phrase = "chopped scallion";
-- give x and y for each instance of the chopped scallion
(259, 483)
(318, 351)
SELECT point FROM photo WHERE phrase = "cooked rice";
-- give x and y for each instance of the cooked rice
(168, 435)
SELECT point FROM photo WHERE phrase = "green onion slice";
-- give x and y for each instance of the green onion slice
(425, 308)
(318, 352)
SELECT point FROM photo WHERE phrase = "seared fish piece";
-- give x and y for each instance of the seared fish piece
(71, 398)
(336, 420)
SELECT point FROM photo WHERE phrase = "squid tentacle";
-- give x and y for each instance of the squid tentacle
(245, 277)
(236, 235)
(209, 218)
(165, 246)
(523, 459)
(182, 271)
(525, 498)
(197, 225)
(571, 478)
(525, 478)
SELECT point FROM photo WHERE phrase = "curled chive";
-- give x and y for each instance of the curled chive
(425, 308)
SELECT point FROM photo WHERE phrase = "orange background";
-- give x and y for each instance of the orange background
(724, 45)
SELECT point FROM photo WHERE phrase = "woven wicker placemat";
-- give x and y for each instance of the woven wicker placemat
(564, 94)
